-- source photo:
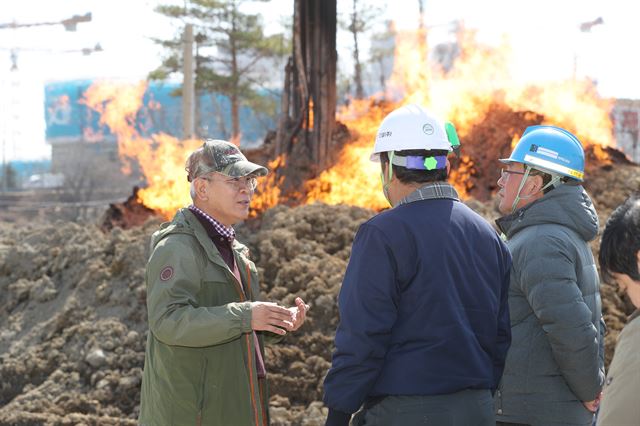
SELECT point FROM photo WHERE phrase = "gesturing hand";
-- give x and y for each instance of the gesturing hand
(268, 316)
(299, 313)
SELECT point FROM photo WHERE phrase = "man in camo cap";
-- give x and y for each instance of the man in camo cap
(222, 157)
(204, 362)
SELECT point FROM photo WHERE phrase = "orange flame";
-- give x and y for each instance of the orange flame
(462, 94)
(310, 115)
(161, 158)
(354, 179)
(268, 191)
(480, 76)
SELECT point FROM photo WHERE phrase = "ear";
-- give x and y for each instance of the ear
(201, 189)
(448, 167)
(638, 259)
(536, 183)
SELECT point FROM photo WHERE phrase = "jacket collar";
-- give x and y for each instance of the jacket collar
(505, 223)
(193, 224)
(431, 191)
(568, 205)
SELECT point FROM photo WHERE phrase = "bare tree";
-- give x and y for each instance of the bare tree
(360, 20)
(309, 97)
(381, 53)
(421, 16)
(356, 27)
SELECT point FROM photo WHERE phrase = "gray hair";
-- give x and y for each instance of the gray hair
(198, 163)
(192, 191)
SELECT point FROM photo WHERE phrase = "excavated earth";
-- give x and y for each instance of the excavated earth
(73, 317)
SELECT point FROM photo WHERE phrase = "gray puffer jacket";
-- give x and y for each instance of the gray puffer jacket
(556, 359)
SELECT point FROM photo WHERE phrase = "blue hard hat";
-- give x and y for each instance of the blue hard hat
(550, 149)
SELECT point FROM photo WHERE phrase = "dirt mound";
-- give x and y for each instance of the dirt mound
(73, 324)
(486, 142)
(73, 317)
(72, 309)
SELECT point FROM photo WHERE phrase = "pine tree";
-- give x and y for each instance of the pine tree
(232, 53)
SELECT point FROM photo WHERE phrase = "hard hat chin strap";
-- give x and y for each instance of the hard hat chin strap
(385, 185)
(517, 198)
(555, 179)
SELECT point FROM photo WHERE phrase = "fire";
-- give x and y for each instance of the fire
(464, 90)
(161, 157)
(268, 191)
(310, 116)
(354, 179)
(479, 77)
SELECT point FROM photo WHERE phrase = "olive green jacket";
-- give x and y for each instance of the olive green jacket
(200, 366)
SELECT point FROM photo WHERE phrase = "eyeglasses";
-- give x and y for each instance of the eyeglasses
(239, 183)
(505, 172)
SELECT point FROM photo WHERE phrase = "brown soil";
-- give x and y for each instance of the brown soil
(73, 316)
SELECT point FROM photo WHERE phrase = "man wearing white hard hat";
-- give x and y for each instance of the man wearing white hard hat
(424, 321)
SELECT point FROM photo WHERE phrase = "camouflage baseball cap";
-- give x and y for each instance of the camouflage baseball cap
(223, 157)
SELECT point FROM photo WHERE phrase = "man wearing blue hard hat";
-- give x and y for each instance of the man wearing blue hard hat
(555, 367)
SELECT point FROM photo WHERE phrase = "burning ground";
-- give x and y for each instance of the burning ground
(72, 308)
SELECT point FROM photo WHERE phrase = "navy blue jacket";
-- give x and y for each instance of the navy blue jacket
(423, 306)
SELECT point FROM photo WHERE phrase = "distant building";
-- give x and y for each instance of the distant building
(626, 127)
(73, 129)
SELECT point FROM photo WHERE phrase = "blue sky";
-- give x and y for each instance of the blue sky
(544, 34)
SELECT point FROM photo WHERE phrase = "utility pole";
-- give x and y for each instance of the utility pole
(12, 130)
(188, 85)
(5, 174)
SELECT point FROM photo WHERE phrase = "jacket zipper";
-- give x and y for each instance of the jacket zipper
(260, 382)
(250, 356)
(202, 393)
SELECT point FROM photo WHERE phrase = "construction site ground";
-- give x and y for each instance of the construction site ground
(73, 321)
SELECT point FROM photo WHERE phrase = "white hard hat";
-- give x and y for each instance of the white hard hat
(410, 127)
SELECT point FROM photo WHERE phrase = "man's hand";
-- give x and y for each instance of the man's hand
(268, 316)
(299, 313)
(593, 405)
